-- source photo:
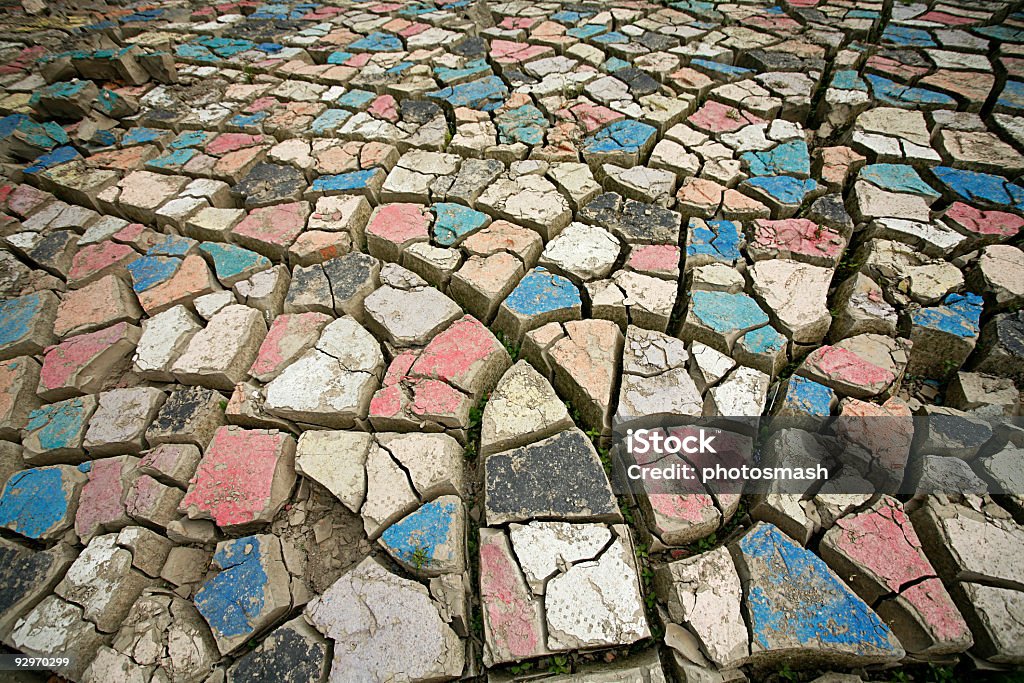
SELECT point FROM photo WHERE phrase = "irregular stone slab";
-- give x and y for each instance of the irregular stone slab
(244, 478)
(101, 504)
(991, 611)
(718, 319)
(189, 416)
(582, 251)
(19, 378)
(703, 593)
(28, 577)
(337, 461)
(250, 592)
(998, 274)
(543, 549)
(56, 625)
(165, 336)
(161, 632)
(151, 502)
(584, 363)
(431, 540)
(292, 653)
(102, 303)
(529, 200)
(121, 419)
(1001, 346)
(862, 309)
(41, 503)
(370, 614)
(540, 297)
(862, 366)
(523, 408)
(103, 582)
(83, 364)
(532, 481)
(55, 432)
(219, 356)
(794, 294)
(512, 617)
(879, 554)
(409, 317)
(799, 610)
(623, 143)
(631, 221)
(654, 379)
(597, 603)
(943, 337)
(332, 383)
(232, 264)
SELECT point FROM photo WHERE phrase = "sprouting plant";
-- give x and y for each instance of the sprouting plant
(420, 557)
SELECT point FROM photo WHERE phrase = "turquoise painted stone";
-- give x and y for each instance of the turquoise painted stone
(984, 188)
(355, 99)
(247, 120)
(613, 64)
(339, 57)
(378, 42)
(40, 503)
(848, 79)
(149, 271)
(900, 95)
(788, 158)
(586, 31)
(486, 94)
(611, 38)
(233, 263)
(524, 124)
(430, 540)
(784, 189)
(175, 159)
(959, 315)
(797, 606)
(192, 138)
(542, 292)
(763, 341)
(346, 182)
(725, 313)
(329, 121)
(621, 136)
(57, 429)
(472, 68)
(455, 221)
(897, 178)
(172, 245)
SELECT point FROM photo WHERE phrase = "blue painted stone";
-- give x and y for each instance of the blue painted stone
(1007, 34)
(863, 14)
(790, 158)
(428, 537)
(586, 31)
(959, 315)
(900, 95)
(232, 601)
(355, 99)
(172, 245)
(35, 502)
(329, 121)
(378, 42)
(905, 36)
(269, 48)
(230, 261)
(62, 89)
(247, 120)
(610, 38)
(345, 182)
(399, 68)
(720, 240)
(339, 57)
(542, 292)
(766, 341)
(707, 65)
(794, 601)
(897, 178)
(525, 124)
(621, 136)
(143, 15)
(196, 53)
(150, 271)
(808, 397)
(974, 187)
(486, 94)
(570, 17)
(1012, 96)
(60, 425)
(472, 68)
(175, 159)
(58, 156)
(783, 188)
(613, 64)
(848, 79)
(141, 136)
(725, 313)
(191, 138)
(455, 221)
(17, 317)
(9, 124)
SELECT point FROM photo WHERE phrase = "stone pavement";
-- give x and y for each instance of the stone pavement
(316, 320)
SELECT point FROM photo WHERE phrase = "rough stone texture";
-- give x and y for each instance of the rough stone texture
(523, 408)
(219, 356)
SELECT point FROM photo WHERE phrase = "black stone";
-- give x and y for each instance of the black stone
(633, 221)
(285, 656)
(186, 412)
(639, 83)
(830, 211)
(309, 290)
(657, 41)
(28, 576)
(419, 111)
(352, 277)
(516, 78)
(560, 477)
(268, 184)
(471, 47)
(1000, 349)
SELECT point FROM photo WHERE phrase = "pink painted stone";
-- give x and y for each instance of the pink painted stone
(941, 17)
(270, 230)
(975, 222)
(842, 365)
(193, 279)
(244, 478)
(433, 398)
(130, 233)
(796, 238)
(26, 199)
(81, 364)
(384, 107)
(231, 142)
(399, 224)
(289, 336)
(716, 117)
(400, 367)
(466, 355)
(511, 52)
(590, 116)
(93, 261)
(413, 29)
(101, 504)
(655, 259)
(935, 606)
(511, 615)
(516, 23)
(388, 402)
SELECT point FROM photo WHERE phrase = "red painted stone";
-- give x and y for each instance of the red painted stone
(655, 258)
(974, 221)
(510, 616)
(800, 237)
(846, 366)
(400, 223)
(101, 503)
(231, 142)
(62, 361)
(716, 117)
(455, 354)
